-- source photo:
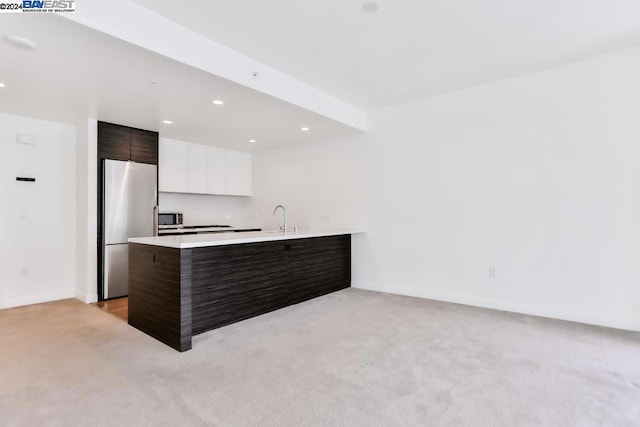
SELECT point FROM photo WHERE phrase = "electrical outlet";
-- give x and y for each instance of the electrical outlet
(325, 217)
(24, 272)
(228, 217)
(27, 215)
(492, 272)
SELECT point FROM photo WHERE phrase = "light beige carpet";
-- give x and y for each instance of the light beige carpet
(352, 358)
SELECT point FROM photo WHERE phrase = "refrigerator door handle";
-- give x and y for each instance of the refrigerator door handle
(155, 220)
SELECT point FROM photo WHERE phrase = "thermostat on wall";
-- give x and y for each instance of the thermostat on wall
(26, 139)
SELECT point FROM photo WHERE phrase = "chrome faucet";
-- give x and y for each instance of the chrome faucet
(284, 217)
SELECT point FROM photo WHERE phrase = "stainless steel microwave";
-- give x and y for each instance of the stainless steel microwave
(170, 220)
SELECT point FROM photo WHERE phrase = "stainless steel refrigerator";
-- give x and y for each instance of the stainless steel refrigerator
(130, 210)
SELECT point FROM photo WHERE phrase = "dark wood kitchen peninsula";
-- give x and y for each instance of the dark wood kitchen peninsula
(180, 286)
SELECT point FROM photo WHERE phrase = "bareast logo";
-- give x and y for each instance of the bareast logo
(47, 4)
(37, 6)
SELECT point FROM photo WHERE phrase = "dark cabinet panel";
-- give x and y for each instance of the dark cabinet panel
(114, 141)
(174, 293)
(317, 267)
(160, 294)
(232, 283)
(118, 142)
(144, 146)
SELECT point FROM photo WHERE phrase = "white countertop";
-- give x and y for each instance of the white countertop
(233, 238)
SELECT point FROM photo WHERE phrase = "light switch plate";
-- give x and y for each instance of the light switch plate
(26, 139)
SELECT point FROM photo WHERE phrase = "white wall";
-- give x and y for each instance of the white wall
(37, 256)
(536, 177)
(322, 185)
(87, 205)
(205, 209)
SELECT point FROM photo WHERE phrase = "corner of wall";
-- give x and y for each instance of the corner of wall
(86, 170)
(88, 299)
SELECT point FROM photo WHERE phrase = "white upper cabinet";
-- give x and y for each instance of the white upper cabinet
(185, 167)
(197, 168)
(238, 173)
(173, 166)
(217, 171)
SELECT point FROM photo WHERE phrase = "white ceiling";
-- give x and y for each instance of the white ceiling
(77, 73)
(409, 49)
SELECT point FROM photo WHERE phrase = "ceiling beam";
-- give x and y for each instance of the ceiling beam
(132, 23)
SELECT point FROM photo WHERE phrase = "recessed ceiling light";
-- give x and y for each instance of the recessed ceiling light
(253, 141)
(218, 101)
(2, 84)
(20, 42)
(167, 122)
(304, 129)
(370, 6)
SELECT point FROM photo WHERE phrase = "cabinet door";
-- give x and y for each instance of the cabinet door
(317, 266)
(238, 173)
(236, 282)
(144, 146)
(197, 168)
(173, 166)
(216, 171)
(158, 297)
(114, 141)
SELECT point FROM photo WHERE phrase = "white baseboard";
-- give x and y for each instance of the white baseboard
(35, 299)
(580, 317)
(88, 299)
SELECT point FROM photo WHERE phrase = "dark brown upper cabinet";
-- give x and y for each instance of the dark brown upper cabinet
(118, 142)
(144, 146)
(114, 142)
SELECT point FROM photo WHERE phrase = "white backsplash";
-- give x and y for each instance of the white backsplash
(204, 209)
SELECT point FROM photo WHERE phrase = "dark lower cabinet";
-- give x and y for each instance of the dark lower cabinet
(160, 294)
(232, 283)
(175, 293)
(317, 267)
